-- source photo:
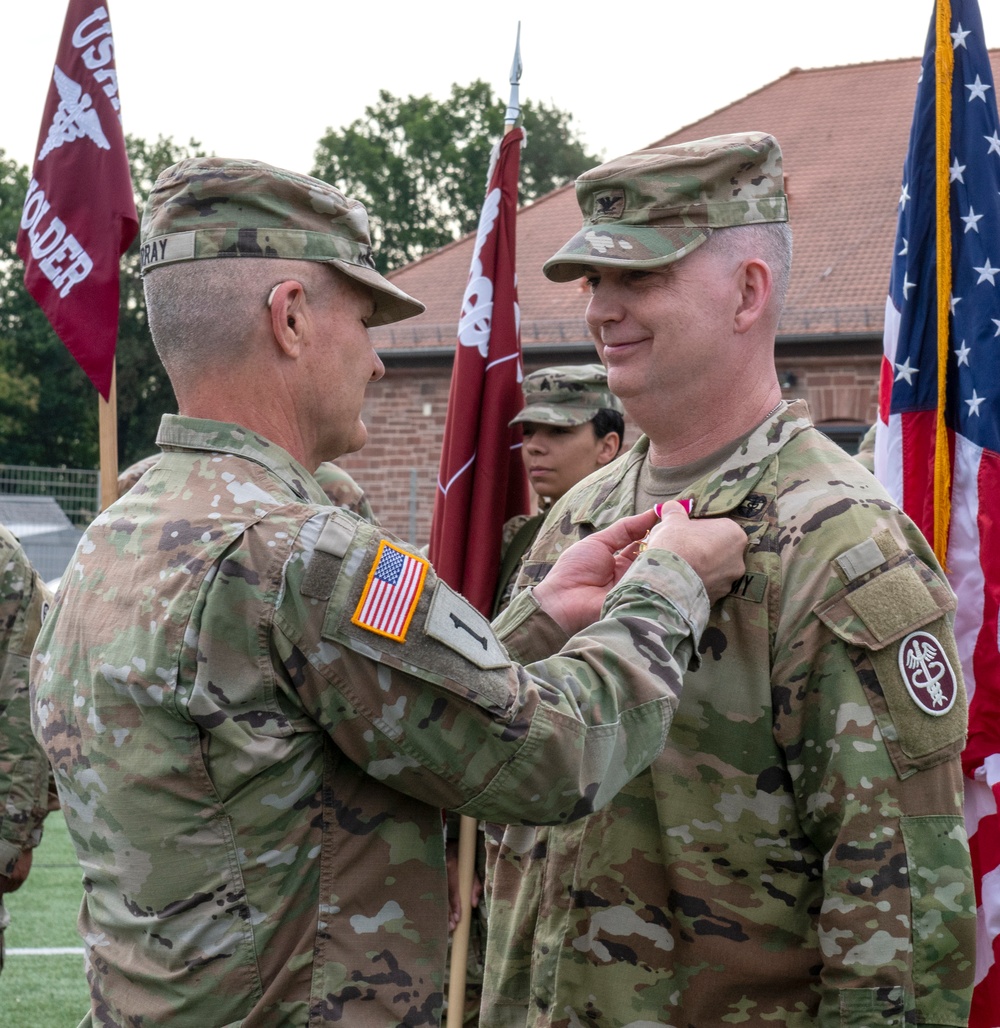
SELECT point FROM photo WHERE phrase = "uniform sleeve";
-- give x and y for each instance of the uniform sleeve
(23, 766)
(872, 716)
(529, 634)
(413, 686)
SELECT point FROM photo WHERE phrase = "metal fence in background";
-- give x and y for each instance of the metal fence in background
(47, 509)
(76, 490)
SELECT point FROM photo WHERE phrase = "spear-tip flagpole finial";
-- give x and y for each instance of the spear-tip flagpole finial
(514, 103)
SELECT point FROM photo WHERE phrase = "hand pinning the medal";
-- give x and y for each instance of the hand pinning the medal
(714, 547)
(686, 503)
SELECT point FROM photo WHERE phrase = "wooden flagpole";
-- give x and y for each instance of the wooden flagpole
(468, 829)
(107, 429)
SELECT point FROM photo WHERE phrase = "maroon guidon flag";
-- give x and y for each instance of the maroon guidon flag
(79, 215)
(481, 481)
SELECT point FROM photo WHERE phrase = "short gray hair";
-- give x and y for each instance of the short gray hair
(203, 313)
(770, 241)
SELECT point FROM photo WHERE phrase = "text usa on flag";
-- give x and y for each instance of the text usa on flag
(79, 215)
(967, 467)
(481, 481)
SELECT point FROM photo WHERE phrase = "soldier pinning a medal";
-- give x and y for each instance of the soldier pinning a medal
(796, 856)
(256, 704)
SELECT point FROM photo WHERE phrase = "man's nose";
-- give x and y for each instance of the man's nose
(602, 308)
(379, 369)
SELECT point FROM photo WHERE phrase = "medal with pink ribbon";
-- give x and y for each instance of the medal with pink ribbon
(687, 503)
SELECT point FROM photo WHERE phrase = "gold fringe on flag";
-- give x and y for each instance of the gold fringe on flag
(944, 64)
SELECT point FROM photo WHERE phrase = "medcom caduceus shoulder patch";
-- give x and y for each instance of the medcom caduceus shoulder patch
(927, 673)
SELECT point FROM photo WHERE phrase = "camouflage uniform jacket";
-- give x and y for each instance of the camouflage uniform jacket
(516, 539)
(338, 485)
(797, 854)
(24, 770)
(343, 491)
(253, 776)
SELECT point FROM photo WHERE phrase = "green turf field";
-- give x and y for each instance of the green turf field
(45, 991)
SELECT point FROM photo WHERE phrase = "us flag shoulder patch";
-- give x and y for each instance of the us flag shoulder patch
(390, 595)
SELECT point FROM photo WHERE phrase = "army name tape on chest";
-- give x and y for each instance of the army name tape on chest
(393, 587)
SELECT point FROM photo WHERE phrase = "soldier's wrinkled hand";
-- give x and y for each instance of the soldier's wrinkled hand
(573, 592)
(17, 877)
(714, 547)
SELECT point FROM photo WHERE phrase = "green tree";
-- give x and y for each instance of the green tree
(419, 165)
(144, 391)
(41, 393)
(48, 408)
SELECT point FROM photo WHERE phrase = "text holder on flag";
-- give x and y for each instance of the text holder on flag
(938, 437)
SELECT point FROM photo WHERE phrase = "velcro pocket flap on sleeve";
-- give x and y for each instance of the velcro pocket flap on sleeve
(881, 608)
(331, 547)
(896, 614)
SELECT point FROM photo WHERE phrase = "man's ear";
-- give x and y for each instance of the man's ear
(755, 283)
(287, 303)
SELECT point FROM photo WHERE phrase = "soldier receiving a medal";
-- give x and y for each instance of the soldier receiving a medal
(796, 856)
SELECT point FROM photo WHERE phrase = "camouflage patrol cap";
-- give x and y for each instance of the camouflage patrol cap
(568, 395)
(213, 207)
(654, 206)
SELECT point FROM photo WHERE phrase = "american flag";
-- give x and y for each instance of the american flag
(908, 405)
(390, 596)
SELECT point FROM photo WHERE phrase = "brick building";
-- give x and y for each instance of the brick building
(843, 133)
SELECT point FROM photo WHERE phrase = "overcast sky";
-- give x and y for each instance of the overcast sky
(249, 78)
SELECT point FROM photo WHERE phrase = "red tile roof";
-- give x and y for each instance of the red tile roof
(843, 132)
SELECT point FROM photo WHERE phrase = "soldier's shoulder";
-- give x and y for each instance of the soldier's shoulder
(343, 490)
(15, 567)
(813, 472)
(510, 528)
(10, 547)
(349, 583)
(605, 491)
(828, 505)
(128, 478)
(812, 449)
